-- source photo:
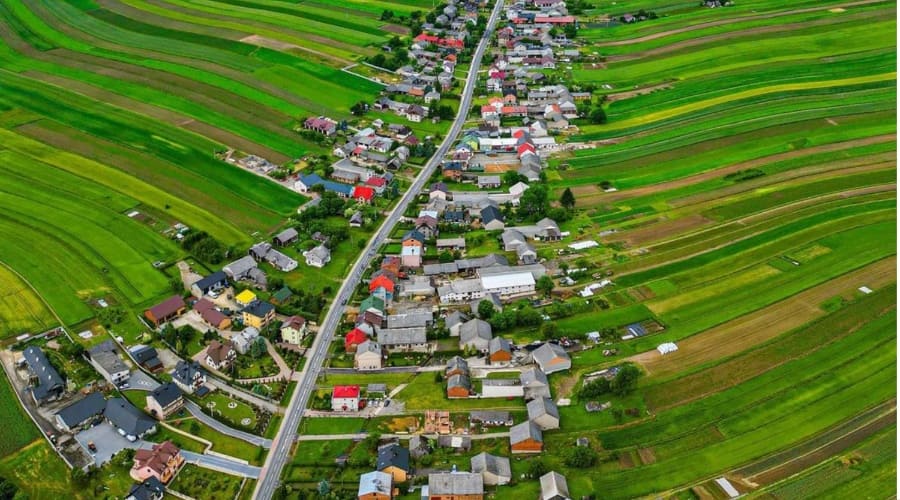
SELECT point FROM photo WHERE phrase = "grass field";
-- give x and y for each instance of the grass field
(21, 310)
(20, 429)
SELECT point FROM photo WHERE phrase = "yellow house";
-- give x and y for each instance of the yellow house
(258, 315)
(294, 329)
(245, 298)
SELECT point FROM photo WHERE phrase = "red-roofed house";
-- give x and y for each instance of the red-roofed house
(442, 42)
(320, 125)
(382, 282)
(168, 309)
(363, 194)
(554, 20)
(353, 339)
(345, 398)
(162, 462)
(525, 147)
(377, 183)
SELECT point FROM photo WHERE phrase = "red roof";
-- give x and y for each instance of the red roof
(555, 20)
(445, 42)
(518, 133)
(345, 391)
(381, 282)
(354, 337)
(376, 181)
(525, 147)
(364, 192)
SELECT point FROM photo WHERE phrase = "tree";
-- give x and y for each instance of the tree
(176, 285)
(445, 257)
(567, 199)
(534, 202)
(597, 115)
(536, 468)
(544, 285)
(511, 177)
(485, 309)
(580, 457)
(549, 330)
(594, 389)
(387, 15)
(258, 348)
(625, 381)
(8, 490)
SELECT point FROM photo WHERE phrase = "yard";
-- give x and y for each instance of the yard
(203, 483)
(231, 411)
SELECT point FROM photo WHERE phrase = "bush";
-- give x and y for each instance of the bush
(580, 457)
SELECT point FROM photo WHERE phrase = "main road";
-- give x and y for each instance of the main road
(270, 475)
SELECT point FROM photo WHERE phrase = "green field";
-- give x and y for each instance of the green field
(21, 429)
(21, 310)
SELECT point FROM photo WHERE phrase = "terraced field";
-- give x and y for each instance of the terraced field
(753, 154)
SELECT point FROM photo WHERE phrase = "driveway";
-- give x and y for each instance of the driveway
(141, 381)
(224, 429)
(221, 464)
(107, 440)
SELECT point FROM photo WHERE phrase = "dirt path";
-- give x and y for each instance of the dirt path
(270, 43)
(761, 325)
(618, 96)
(721, 22)
(720, 172)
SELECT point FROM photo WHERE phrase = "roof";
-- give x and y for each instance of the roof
(287, 235)
(166, 394)
(475, 328)
(246, 297)
(547, 352)
(259, 309)
(345, 391)
(393, 455)
(499, 344)
(491, 213)
(364, 192)
(186, 371)
(218, 351)
(372, 302)
(212, 316)
(214, 278)
(106, 355)
(458, 363)
(381, 281)
(128, 418)
(145, 355)
(354, 336)
(240, 267)
(150, 488)
(374, 482)
(410, 319)
(553, 485)
(507, 280)
(525, 431)
(283, 294)
(295, 322)
(489, 416)
(455, 318)
(368, 346)
(485, 462)
(83, 409)
(459, 380)
(542, 406)
(402, 336)
(414, 235)
(167, 307)
(455, 483)
(48, 378)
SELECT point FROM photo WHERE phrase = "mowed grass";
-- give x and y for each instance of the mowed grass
(19, 430)
(21, 310)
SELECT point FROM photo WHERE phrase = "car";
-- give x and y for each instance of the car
(92, 447)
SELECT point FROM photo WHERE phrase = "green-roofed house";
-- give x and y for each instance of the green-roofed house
(281, 296)
(372, 302)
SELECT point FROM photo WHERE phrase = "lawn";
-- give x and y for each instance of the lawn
(20, 430)
(423, 393)
(232, 411)
(198, 482)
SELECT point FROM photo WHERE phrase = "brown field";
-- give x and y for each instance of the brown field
(395, 28)
(641, 293)
(618, 96)
(759, 326)
(647, 456)
(665, 229)
(625, 460)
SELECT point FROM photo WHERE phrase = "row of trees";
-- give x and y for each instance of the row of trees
(203, 246)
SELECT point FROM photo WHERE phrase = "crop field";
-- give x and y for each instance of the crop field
(19, 429)
(21, 310)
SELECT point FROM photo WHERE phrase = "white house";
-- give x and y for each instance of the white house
(318, 256)
(501, 388)
(368, 356)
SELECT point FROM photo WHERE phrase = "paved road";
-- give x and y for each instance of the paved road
(270, 476)
(221, 464)
(224, 429)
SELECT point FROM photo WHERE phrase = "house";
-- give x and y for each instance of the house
(543, 412)
(414, 239)
(128, 420)
(526, 254)
(499, 350)
(382, 287)
(535, 383)
(104, 357)
(456, 366)
(475, 333)
(81, 413)
(501, 388)
(244, 340)
(188, 376)
(551, 358)
(459, 386)
(375, 485)
(294, 330)
(212, 316)
(240, 269)
(432, 96)
(508, 285)
(353, 339)
(413, 339)
(490, 418)
(164, 401)
(161, 461)
(368, 356)
(455, 486)
(219, 355)
(212, 283)
(488, 181)
(258, 314)
(372, 303)
(345, 398)
(356, 220)
(491, 218)
(393, 459)
(321, 125)
(454, 321)
(166, 310)
(281, 296)
(286, 237)
(363, 194)
(526, 438)
(245, 298)
(554, 487)
(451, 244)
(419, 446)
(264, 251)
(411, 256)
(461, 291)
(494, 470)
(427, 226)
(150, 489)
(318, 256)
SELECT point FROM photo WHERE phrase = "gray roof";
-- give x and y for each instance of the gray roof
(524, 431)
(76, 413)
(485, 462)
(213, 279)
(185, 372)
(489, 416)
(410, 319)
(393, 455)
(240, 268)
(368, 346)
(166, 394)
(547, 352)
(455, 483)
(542, 406)
(286, 235)
(146, 355)
(374, 482)
(459, 381)
(106, 355)
(554, 486)
(376, 388)
(402, 336)
(475, 331)
(455, 318)
(457, 362)
(125, 416)
(534, 377)
(498, 344)
(49, 380)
